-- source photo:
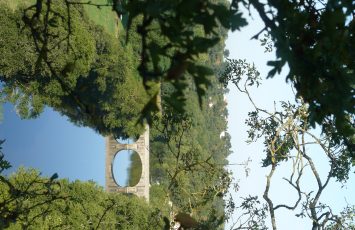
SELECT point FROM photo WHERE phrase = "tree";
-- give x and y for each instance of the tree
(104, 92)
(288, 135)
(31, 201)
(169, 44)
(316, 35)
(90, 77)
(303, 32)
(18, 190)
(188, 153)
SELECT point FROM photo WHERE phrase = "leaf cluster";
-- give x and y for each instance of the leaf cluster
(188, 153)
(72, 65)
(36, 202)
(187, 35)
(315, 38)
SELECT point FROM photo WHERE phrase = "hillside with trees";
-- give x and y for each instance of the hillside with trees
(115, 66)
(89, 74)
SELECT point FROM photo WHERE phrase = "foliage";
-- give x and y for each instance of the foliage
(31, 201)
(254, 212)
(188, 34)
(277, 127)
(288, 135)
(303, 33)
(187, 149)
(319, 36)
(192, 176)
(22, 194)
(188, 156)
(108, 94)
(90, 78)
(164, 56)
(135, 170)
(345, 220)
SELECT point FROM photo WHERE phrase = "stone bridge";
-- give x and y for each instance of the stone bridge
(141, 146)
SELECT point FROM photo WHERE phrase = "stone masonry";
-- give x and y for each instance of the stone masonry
(141, 146)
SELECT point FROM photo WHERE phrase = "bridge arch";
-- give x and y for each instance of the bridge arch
(141, 146)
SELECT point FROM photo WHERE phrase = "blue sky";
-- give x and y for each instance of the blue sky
(242, 47)
(53, 145)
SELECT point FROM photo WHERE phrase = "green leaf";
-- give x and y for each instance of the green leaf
(277, 67)
(53, 177)
(237, 21)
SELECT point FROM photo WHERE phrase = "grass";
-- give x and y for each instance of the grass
(14, 3)
(103, 16)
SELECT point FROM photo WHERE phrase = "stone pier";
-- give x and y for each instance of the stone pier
(141, 146)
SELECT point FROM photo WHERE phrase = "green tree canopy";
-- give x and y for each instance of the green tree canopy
(306, 35)
(91, 77)
(314, 38)
(109, 96)
(34, 202)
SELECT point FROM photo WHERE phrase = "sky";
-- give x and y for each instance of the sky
(52, 144)
(273, 90)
